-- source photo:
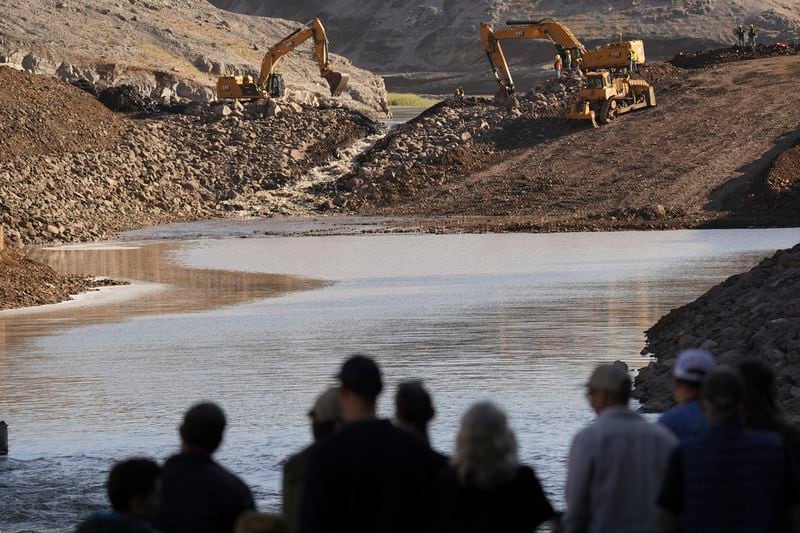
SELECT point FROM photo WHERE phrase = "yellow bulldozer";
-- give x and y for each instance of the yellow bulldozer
(609, 91)
(605, 97)
(270, 84)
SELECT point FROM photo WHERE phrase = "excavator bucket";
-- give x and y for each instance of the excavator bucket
(337, 82)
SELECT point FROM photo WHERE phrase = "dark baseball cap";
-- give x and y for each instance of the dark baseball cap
(361, 375)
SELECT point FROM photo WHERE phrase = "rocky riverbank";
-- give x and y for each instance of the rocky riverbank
(28, 283)
(113, 173)
(755, 314)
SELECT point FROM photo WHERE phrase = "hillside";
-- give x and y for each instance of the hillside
(165, 48)
(432, 45)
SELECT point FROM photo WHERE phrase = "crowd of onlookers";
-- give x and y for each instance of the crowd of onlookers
(722, 460)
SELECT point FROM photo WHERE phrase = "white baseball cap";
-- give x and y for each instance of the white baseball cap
(693, 365)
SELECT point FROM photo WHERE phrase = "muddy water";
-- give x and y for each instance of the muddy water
(260, 325)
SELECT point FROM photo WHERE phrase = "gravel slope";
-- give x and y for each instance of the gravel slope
(180, 46)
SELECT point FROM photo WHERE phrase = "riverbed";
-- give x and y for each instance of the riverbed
(260, 323)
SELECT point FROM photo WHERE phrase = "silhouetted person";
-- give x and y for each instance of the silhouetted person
(198, 495)
(486, 490)
(729, 479)
(762, 408)
(687, 419)
(326, 416)
(617, 463)
(133, 489)
(253, 522)
(369, 476)
(414, 412)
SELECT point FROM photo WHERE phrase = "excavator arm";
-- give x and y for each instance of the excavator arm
(336, 80)
(545, 29)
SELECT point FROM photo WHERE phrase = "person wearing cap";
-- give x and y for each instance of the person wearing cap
(687, 419)
(414, 411)
(729, 479)
(616, 464)
(369, 476)
(326, 416)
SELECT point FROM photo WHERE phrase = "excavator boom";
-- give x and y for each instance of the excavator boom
(270, 83)
(545, 29)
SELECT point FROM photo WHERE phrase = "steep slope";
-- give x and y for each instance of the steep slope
(441, 36)
(163, 47)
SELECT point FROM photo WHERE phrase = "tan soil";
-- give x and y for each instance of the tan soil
(41, 115)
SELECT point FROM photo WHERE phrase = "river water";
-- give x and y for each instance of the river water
(260, 325)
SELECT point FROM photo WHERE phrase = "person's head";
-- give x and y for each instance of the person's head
(723, 394)
(414, 407)
(134, 486)
(486, 449)
(326, 414)
(202, 428)
(361, 384)
(690, 369)
(254, 522)
(609, 386)
(762, 408)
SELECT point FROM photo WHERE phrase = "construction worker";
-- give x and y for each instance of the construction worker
(568, 58)
(740, 35)
(631, 60)
(557, 66)
(752, 35)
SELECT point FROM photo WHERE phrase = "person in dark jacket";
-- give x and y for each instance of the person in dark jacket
(762, 408)
(198, 495)
(326, 417)
(414, 412)
(486, 490)
(133, 490)
(729, 479)
(369, 476)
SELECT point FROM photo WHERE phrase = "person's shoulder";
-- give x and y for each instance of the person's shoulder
(298, 459)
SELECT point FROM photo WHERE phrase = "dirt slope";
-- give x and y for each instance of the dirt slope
(691, 161)
(171, 47)
(440, 36)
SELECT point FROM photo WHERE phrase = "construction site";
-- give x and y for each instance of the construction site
(218, 198)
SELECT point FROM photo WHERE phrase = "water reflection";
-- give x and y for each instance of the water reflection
(519, 319)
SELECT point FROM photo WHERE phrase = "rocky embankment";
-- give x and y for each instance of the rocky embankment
(27, 283)
(106, 173)
(755, 314)
(448, 141)
(169, 50)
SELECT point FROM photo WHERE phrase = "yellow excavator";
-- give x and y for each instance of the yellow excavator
(609, 90)
(270, 84)
(545, 29)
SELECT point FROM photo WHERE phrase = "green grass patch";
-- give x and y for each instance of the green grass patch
(409, 100)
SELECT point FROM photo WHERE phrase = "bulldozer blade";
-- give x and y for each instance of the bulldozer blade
(337, 82)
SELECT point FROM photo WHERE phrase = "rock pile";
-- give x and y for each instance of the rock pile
(726, 55)
(446, 141)
(40, 115)
(755, 314)
(215, 160)
(26, 283)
